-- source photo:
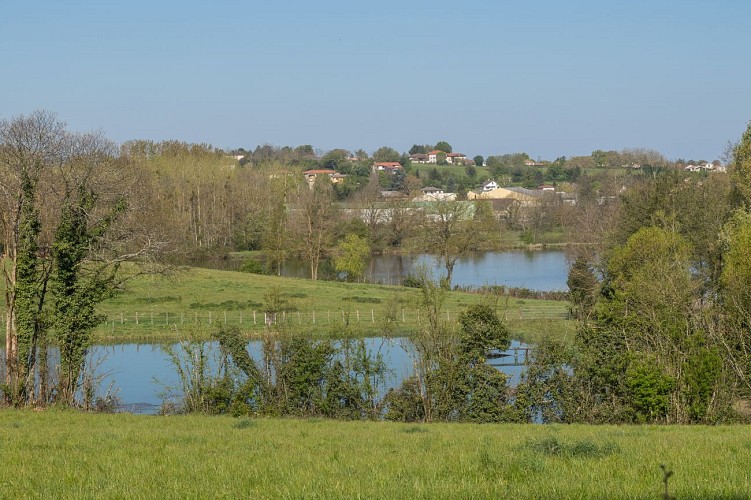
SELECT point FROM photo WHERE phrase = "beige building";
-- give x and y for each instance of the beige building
(500, 193)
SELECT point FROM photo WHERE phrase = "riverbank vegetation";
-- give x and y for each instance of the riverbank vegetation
(85, 455)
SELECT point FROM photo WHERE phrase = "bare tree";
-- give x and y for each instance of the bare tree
(447, 230)
(313, 222)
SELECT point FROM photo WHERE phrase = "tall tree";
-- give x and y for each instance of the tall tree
(740, 168)
(62, 194)
(314, 221)
(448, 232)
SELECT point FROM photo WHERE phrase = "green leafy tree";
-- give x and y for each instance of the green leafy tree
(386, 153)
(443, 146)
(479, 160)
(76, 291)
(335, 159)
(740, 168)
(351, 256)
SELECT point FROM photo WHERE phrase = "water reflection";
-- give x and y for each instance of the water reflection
(141, 372)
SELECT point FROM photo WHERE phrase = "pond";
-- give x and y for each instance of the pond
(141, 372)
(544, 270)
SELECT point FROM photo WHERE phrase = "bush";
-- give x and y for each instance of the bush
(253, 266)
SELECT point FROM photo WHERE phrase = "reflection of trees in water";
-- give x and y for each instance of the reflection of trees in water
(539, 270)
(389, 269)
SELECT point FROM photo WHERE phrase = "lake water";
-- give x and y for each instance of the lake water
(545, 270)
(141, 372)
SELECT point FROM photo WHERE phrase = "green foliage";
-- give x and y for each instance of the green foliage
(386, 153)
(701, 372)
(28, 294)
(736, 270)
(649, 390)
(352, 254)
(252, 266)
(481, 331)
(740, 168)
(404, 403)
(443, 146)
(546, 390)
(297, 376)
(77, 292)
(452, 381)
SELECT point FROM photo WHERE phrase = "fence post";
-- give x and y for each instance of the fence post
(314, 316)
(358, 315)
(182, 317)
(121, 318)
(152, 318)
(254, 316)
(209, 317)
(372, 315)
(136, 317)
(166, 317)
(225, 317)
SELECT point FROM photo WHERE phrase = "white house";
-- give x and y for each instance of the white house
(489, 186)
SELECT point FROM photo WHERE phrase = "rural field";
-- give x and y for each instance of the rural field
(158, 308)
(68, 454)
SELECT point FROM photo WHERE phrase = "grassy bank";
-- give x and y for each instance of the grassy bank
(164, 308)
(59, 454)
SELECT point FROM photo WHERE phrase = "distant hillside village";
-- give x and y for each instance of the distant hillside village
(436, 172)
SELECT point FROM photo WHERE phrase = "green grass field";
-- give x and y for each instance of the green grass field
(65, 454)
(161, 308)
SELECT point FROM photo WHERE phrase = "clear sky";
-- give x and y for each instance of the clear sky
(547, 77)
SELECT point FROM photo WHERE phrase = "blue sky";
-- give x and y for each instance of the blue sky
(546, 77)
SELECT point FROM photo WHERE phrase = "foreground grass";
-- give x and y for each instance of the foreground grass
(57, 454)
(164, 308)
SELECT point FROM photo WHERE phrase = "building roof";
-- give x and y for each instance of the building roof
(454, 155)
(394, 164)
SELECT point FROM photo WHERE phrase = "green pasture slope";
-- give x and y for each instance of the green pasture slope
(164, 308)
(66, 454)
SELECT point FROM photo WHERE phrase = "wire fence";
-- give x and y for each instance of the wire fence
(135, 322)
(144, 322)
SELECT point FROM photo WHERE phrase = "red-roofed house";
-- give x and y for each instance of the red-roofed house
(433, 155)
(387, 166)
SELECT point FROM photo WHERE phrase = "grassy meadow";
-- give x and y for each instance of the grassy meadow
(164, 308)
(65, 454)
